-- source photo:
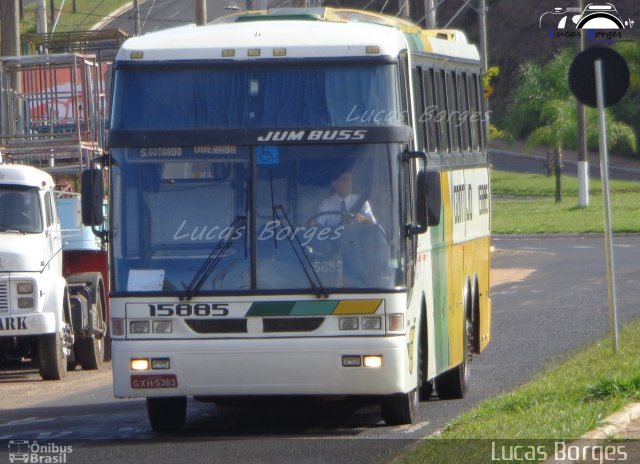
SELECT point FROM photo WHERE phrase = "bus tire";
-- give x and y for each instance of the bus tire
(453, 384)
(167, 414)
(425, 386)
(400, 408)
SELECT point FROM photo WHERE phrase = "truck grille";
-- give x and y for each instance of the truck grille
(4, 297)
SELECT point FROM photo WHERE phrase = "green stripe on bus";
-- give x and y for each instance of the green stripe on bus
(313, 308)
(271, 308)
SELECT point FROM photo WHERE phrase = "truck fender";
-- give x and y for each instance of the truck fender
(55, 301)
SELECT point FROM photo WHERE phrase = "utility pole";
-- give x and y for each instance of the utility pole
(259, 5)
(201, 12)
(136, 17)
(10, 24)
(483, 36)
(52, 16)
(430, 14)
(41, 17)
(10, 38)
(403, 10)
(583, 153)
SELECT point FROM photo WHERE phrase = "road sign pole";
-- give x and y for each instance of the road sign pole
(608, 236)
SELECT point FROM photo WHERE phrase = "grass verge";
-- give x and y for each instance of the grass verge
(562, 404)
(524, 204)
(88, 12)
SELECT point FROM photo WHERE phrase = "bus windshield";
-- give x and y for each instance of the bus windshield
(182, 96)
(237, 218)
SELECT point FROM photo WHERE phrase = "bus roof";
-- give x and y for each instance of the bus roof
(296, 33)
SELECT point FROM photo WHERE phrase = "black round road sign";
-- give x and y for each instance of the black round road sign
(582, 76)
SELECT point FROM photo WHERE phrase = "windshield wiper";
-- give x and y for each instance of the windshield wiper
(303, 258)
(214, 258)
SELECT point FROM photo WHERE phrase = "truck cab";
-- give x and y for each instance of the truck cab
(33, 295)
(47, 313)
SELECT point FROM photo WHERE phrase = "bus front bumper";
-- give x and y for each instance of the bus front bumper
(311, 366)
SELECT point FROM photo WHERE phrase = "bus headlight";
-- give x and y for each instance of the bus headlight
(139, 364)
(374, 361)
(348, 323)
(371, 323)
(162, 327)
(139, 327)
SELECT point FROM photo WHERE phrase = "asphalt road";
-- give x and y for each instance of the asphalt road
(549, 298)
(162, 14)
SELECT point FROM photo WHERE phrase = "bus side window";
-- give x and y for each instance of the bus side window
(452, 112)
(474, 112)
(418, 103)
(430, 111)
(404, 90)
(442, 115)
(463, 119)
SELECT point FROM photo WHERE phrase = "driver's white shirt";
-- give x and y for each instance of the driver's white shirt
(333, 203)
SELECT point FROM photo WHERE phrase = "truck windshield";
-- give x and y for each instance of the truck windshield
(177, 211)
(20, 209)
(182, 96)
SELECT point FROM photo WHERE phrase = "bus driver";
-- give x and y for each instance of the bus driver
(338, 208)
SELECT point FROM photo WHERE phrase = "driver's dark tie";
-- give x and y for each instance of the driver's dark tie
(343, 211)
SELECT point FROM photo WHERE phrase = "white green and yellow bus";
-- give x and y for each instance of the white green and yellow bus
(231, 273)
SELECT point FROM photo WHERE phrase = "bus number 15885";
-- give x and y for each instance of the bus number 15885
(188, 310)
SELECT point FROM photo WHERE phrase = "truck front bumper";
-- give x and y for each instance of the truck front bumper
(19, 325)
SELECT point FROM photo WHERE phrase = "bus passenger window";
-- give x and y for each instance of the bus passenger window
(452, 112)
(441, 114)
(463, 119)
(430, 111)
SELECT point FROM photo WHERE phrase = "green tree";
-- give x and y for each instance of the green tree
(543, 111)
(628, 110)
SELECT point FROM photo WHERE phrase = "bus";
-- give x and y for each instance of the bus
(232, 276)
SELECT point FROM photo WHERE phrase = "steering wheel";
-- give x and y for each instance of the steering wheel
(312, 219)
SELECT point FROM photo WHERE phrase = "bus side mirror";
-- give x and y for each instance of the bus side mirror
(92, 194)
(434, 198)
(420, 216)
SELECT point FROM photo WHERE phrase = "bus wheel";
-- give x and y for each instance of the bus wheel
(453, 384)
(167, 414)
(401, 408)
(425, 386)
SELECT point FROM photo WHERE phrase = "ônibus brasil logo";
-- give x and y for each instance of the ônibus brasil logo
(33, 452)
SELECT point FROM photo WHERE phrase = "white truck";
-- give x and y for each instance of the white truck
(54, 317)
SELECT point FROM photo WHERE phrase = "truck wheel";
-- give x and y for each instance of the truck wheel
(51, 359)
(90, 349)
(167, 414)
(72, 362)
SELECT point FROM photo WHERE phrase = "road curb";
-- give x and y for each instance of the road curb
(107, 19)
(615, 423)
(613, 427)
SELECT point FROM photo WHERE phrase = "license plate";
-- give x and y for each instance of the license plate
(154, 381)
